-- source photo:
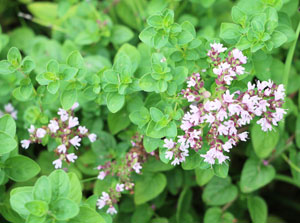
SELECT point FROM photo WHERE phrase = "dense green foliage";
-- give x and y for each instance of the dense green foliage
(126, 63)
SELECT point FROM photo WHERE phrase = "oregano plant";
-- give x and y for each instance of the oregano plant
(149, 111)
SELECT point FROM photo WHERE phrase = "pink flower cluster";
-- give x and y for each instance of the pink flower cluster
(123, 170)
(62, 130)
(9, 109)
(224, 112)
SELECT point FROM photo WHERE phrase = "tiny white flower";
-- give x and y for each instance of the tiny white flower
(40, 133)
(137, 167)
(83, 130)
(57, 163)
(120, 187)
(100, 203)
(92, 137)
(25, 143)
(75, 105)
(62, 148)
(72, 157)
(111, 210)
(31, 129)
(73, 121)
(53, 126)
(75, 141)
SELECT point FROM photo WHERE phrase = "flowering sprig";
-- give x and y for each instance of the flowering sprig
(64, 131)
(9, 109)
(122, 170)
(224, 112)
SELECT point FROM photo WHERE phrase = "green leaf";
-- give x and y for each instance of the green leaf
(118, 121)
(142, 214)
(141, 117)
(75, 193)
(297, 132)
(37, 208)
(148, 186)
(75, 59)
(151, 144)
(34, 219)
(111, 76)
(53, 66)
(121, 34)
(184, 37)
(221, 170)
(219, 191)
(155, 21)
(46, 11)
(203, 176)
(60, 184)
(264, 142)
(42, 189)
(27, 65)
(68, 98)
(6, 67)
(53, 87)
(230, 32)
(147, 83)
(64, 209)
(258, 209)
(14, 56)
(8, 125)
(238, 16)
(18, 198)
(156, 114)
(88, 215)
(216, 215)
(255, 175)
(115, 102)
(21, 168)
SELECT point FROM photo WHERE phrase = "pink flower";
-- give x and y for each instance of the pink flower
(238, 55)
(279, 93)
(83, 130)
(75, 141)
(137, 167)
(72, 157)
(222, 130)
(101, 175)
(63, 114)
(57, 163)
(25, 143)
(62, 148)
(9, 108)
(175, 162)
(111, 210)
(169, 155)
(75, 105)
(120, 187)
(100, 203)
(190, 98)
(227, 97)
(105, 196)
(218, 47)
(73, 121)
(169, 143)
(40, 133)
(191, 82)
(31, 129)
(222, 114)
(265, 125)
(92, 137)
(53, 126)
(243, 136)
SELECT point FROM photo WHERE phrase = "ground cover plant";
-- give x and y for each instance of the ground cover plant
(149, 111)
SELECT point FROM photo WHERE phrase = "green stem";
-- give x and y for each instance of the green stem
(286, 179)
(289, 59)
(89, 179)
(291, 164)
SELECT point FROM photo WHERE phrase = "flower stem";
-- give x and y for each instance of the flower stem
(286, 179)
(89, 179)
(291, 164)
(289, 59)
